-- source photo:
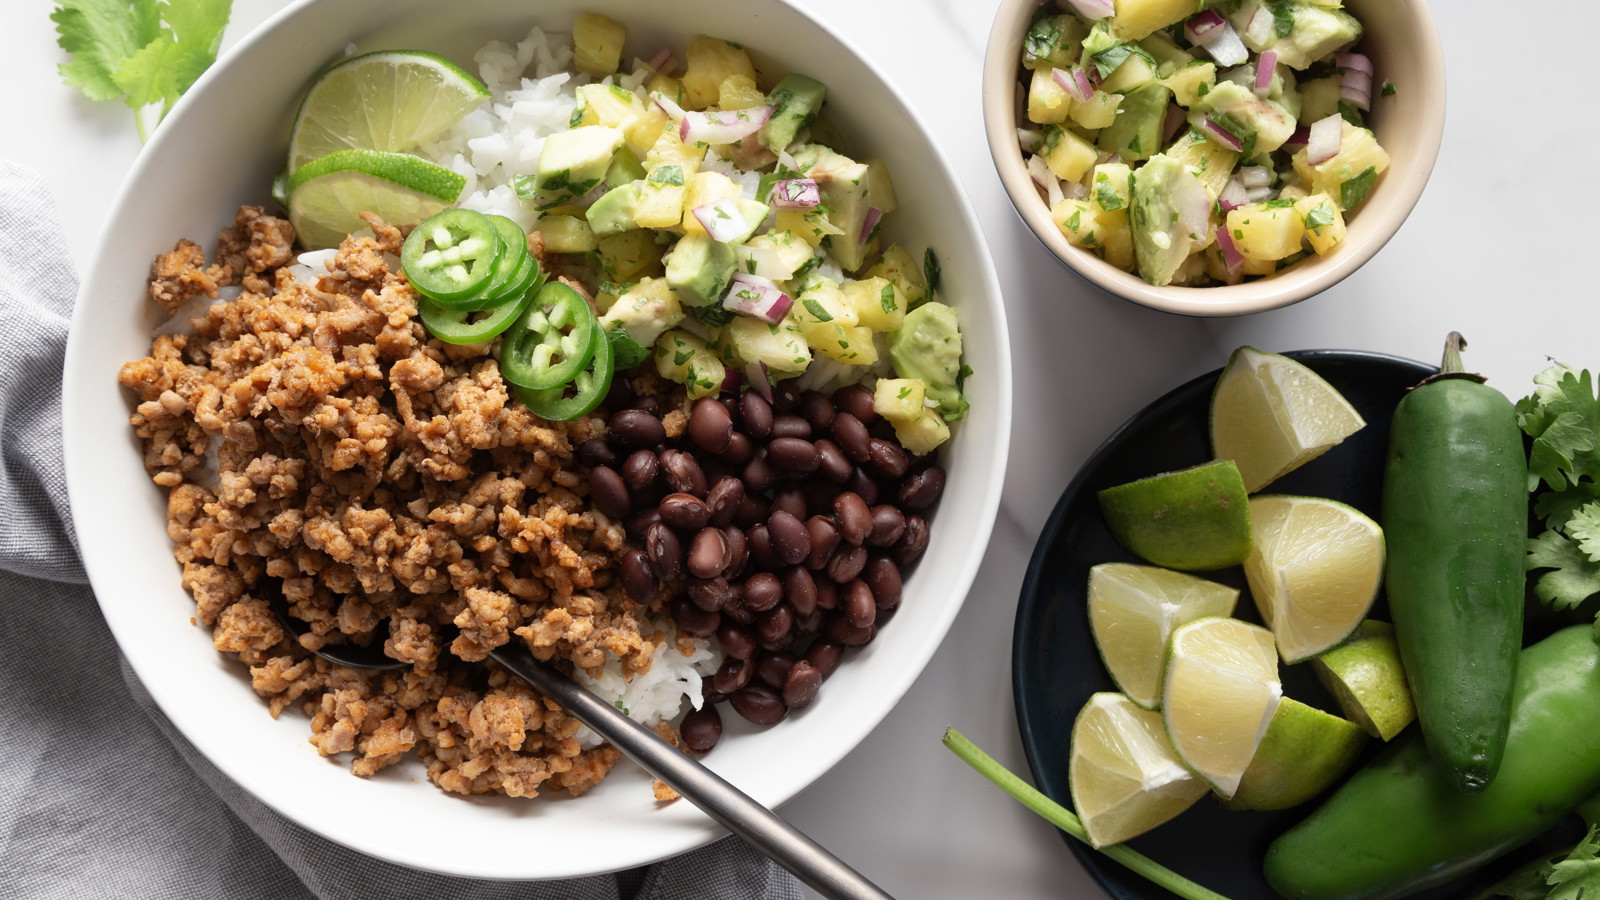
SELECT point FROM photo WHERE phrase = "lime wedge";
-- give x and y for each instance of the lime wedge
(391, 100)
(1365, 675)
(1314, 572)
(328, 194)
(1303, 752)
(1124, 777)
(1221, 691)
(1191, 519)
(1272, 415)
(1133, 611)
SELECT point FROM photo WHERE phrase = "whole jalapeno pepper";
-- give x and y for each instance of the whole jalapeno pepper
(1399, 826)
(1455, 520)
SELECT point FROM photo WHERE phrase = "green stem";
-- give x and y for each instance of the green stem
(138, 120)
(1454, 343)
(1067, 821)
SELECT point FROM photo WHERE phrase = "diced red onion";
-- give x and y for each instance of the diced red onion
(1221, 135)
(1358, 62)
(1255, 176)
(723, 221)
(1322, 144)
(1356, 84)
(1298, 139)
(731, 379)
(1173, 122)
(1233, 195)
(761, 298)
(661, 61)
(1257, 194)
(756, 374)
(1231, 257)
(1201, 24)
(1211, 31)
(666, 104)
(1074, 82)
(587, 200)
(1045, 179)
(869, 223)
(1093, 9)
(1264, 69)
(795, 193)
(1029, 140)
(1259, 30)
(724, 126)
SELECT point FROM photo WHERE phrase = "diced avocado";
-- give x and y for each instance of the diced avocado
(1211, 162)
(1317, 32)
(699, 269)
(1319, 99)
(1192, 82)
(1261, 125)
(922, 434)
(1162, 188)
(572, 162)
(629, 255)
(644, 311)
(1136, 71)
(795, 101)
(1168, 55)
(613, 212)
(566, 234)
(625, 167)
(846, 188)
(1136, 133)
(928, 347)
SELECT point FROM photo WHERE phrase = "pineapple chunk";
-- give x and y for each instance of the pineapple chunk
(1266, 231)
(809, 225)
(1134, 73)
(684, 358)
(1323, 221)
(781, 348)
(776, 255)
(708, 63)
(1116, 238)
(625, 256)
(1191, 82)
(616, 107)
(1068, 155)
(670, 150)
(1099, 111)
(1048, 102)
(702, 189)
(1111, 192)
(1054, 42)
(1079, 220)
(644, 311)
(597, 45)
(851, 345)
(900, 399)
(566, 234)
(922, 434)
(1211, 162)
(667, 86)
(828, 321)
(1258, 266)
(739, 91)
(1112, 187)
(1136, 19)
(660, 206)
(901, 269)
(1350, 173)
(876, 302)
(879, 187)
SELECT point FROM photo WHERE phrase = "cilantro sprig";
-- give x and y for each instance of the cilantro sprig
(142, 52)
(1562, 417)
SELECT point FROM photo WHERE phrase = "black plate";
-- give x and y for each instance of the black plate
(1055, 666)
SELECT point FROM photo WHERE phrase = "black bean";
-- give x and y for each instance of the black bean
(841, 631)
(863, 484)
(651, 405)
(791, 426)
(852, 437)
(738, 552)
(856, 399)
(824, 536)
(753, 510)
(817, 409)
(832, 464)
(859, 605)
(701, 728)
(723, 499)
(710, 698)
(790, 541)
(922, 489)
(740, 450)
(685, 512)
(632, 429)
(711, 593)
(621, 395)
(775, 627)
(913, 542)
(665, 552)
(736, 641)
(800, 589)
(883, 577)
(855, 519)
(609, 493)
(761, 551)
(693, 620)
(756, 414)
(827, 594)
(791, 500)
(737, 612)
(888, 524)
(640, 522)
(847, 564)
(758, 472)
(887, 459)
(639, 469)
(708, 553)
(792, 455)
(773, 666)
(785, 396)
(810, 623)
(637, 579)
(596, 452)
(683, 472)
(824, 655)
(762, 591)
(759, 704)
(710, 425)
(733, 675)
(801, 686)
(819, 496)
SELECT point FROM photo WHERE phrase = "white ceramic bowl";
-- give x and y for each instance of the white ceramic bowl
(220, 148)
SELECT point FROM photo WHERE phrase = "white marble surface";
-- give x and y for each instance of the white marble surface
(1500, 248)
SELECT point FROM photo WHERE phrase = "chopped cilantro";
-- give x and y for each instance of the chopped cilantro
(1073, 221)
(1105, 194)
(1352, 192)
(930, 270)
(750, 266)
(682, 356)
(1277, 204)
(666, 175)
(886, 299)
(816, 309)
(714, 315)
(625, 351)
(1043, 38)
(1388, 89)
(1320, 216)
(1282, 16)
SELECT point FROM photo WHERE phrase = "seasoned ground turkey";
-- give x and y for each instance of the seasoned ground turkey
(317, 438)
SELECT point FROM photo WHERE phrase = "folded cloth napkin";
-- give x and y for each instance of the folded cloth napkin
(103, 797)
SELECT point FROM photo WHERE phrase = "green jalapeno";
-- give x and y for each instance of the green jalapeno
(471, 326)
(583, 394)
(552, 341)
(514, 272)
(451, 256)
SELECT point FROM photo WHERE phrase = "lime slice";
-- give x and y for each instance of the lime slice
(1221, 691)
(1303, 752)
(328, 194)
(1364, 674)
(1132, 612)
(1272, 415)
(1123, 775)
(1314, 572)
(391, 100)
(1191, 519)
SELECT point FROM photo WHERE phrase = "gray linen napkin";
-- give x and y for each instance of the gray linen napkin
(103, 797)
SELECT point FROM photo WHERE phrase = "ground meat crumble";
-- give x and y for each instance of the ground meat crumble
(312, 435)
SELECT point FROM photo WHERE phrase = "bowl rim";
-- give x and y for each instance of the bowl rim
(987, 461)
(1000, 61)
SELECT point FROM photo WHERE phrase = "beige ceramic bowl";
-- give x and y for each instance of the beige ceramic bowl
(1400, 39)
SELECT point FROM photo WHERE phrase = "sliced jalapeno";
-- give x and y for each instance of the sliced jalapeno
(569, 401)
(451, 256)
(471, 326)
(514, 271)
(552, 341)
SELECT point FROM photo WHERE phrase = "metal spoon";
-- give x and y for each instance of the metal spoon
(730, 807)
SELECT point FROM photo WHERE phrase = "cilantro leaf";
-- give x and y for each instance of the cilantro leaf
(1574, 576)
(1563, 418)
(625, 351)
(1583, 526)
(100, 35)
(163, 69)
(1556, 507)
(1352, 192)
(1578, 875)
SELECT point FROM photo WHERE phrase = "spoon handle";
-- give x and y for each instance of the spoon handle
(729, 806)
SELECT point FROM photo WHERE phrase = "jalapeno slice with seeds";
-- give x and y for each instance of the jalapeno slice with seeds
(552, 341)
(454, 325)
(451, 256)
(514, 271)
(582, 395)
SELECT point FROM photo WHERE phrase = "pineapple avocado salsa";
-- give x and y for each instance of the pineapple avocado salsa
(1200, 148)
(704, 228)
